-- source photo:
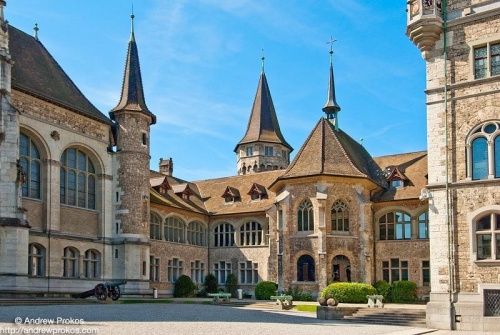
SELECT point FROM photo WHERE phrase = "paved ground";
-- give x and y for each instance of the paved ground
(183, 319)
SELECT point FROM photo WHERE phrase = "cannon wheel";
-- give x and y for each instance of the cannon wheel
(114, 291)
(100, 292)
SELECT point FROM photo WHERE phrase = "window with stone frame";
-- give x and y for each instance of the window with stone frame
(395, 226)
(394, 269)
(155, 226)
(36, 260)
(426, 273)
(306, 268)
(340, 216)
(249, 151)
(70, 262)
(269, 151)
(77, 179)
(91, 264)
(175, 269)
(30, 162)
(249, 273)
(483, 151)
(198, 272)
(487, 60)
(487, 237)
(224, 235)
(221, 270)
(305, 216)
(174, 230)
(154, 268)
(197, 233)
(251, 233)
(423, 225)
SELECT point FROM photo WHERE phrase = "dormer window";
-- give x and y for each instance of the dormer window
(257, 192)
(231, 195)
(183, 191)
(395, 177)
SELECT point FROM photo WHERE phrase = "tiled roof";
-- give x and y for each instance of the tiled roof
(212, 189)
(331, 152)
(414, 167)
(36, 72)
(263, 124)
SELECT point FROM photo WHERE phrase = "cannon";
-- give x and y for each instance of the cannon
(103, 291)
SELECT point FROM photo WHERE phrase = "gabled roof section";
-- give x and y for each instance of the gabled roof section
(132, 98)
(182, 189)
(256, 188)
(330, 152)
(263, 124)
(36, 72)
(393, 173)
(231, 192)
(160, 183)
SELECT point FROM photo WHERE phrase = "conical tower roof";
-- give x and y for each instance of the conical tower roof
(132, 98)
(263, 124)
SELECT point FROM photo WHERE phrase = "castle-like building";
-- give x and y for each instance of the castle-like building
(79, 204)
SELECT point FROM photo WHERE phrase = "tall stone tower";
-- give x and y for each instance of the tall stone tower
(131, 184)
(460, 42)
(13, 226)
(263, 147)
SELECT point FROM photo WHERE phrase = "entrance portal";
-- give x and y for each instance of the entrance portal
(341, 268)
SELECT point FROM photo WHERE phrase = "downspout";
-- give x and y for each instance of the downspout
(447, 188)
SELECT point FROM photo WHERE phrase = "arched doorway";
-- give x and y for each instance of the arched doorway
(341, 268)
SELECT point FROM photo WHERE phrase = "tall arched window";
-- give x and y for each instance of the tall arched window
(154, 226)
(36, 260)
(91, 264)
(197, 234)
(29, 159)
(483, 151)
(251, 233)
(70, 262)
(224, 235)
(305, 268)
(174, 230)
(78, 179)
(305, 216)
(340, 216)
(395, 226)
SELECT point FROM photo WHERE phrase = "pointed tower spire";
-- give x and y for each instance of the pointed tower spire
(132, 97)
(331, 107)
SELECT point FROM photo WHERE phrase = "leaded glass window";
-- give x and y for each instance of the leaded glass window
(251, 234)
(340, 216)
(77, 179)
(305, 216)
(495, 59)
(224, 235)
(480, 62)
(29, 159)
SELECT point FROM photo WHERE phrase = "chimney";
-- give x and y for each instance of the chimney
(167, 166)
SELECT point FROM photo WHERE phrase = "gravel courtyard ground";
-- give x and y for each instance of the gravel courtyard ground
(189, 319)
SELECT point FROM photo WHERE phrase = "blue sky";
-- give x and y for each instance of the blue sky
(201, 62)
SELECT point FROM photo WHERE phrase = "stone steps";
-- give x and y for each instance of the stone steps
(400, 317)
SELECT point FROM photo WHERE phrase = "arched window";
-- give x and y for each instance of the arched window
(174, 230)
(197, 234)
(224, 235)
(91, 264)
(251, 233)
(487, 230)
(36, 260)
(423, 225)
(78, 179)
(305, 268)
(70, 260)
(483, 151)
(395, 226)
(340, 216)
(154, 226)
(305, 216)
(29, 159)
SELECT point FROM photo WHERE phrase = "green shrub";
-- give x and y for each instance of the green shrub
(265, 289)
(231, 285)
(184, 287)
(210, 283)
(349, 292)
(404, 291)
(299, 295)
(383, 288)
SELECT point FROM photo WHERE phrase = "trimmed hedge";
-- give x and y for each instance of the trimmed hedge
(383, 288)
(404, 291)
(349, 292)
(210, 283)
(184, 287)
(231, 285)
(265, 289)
(299, 295)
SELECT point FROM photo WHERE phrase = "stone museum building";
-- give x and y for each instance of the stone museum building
(79, 204)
